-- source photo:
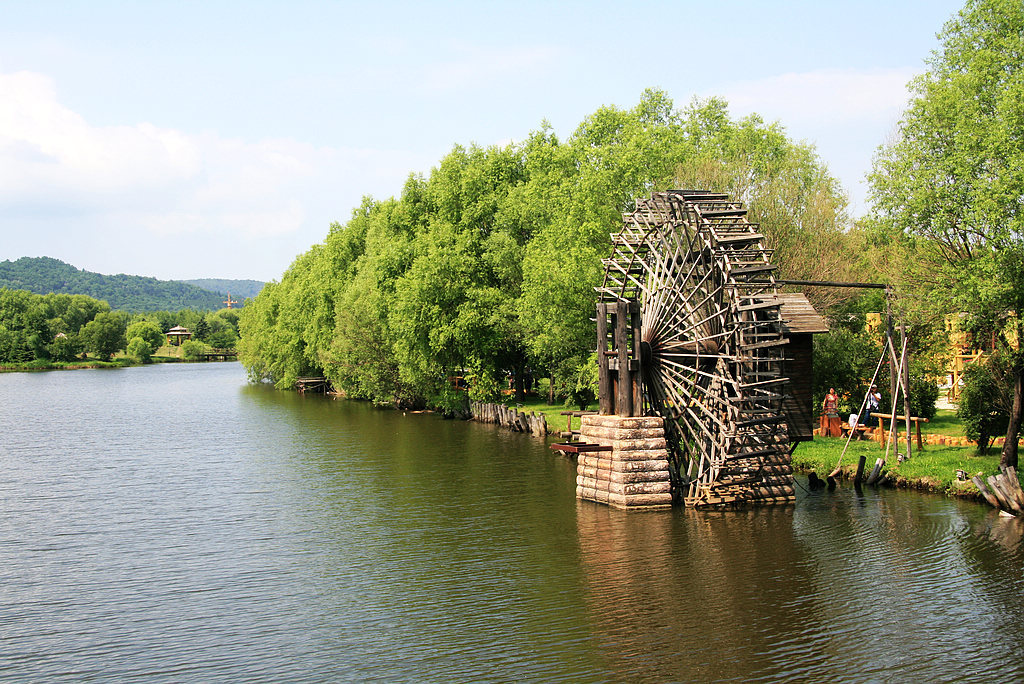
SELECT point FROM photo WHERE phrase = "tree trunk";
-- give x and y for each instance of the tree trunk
(1009, 455)
(551, 388)
(520, 391)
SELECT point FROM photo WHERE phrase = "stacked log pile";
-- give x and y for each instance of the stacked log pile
(509, 417)
(634, 474)
(1003, 490)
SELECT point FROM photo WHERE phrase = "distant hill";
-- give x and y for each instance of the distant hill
(238, 289)
(124, 292)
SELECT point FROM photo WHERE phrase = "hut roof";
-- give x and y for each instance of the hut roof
(178, 330)
(798, 316)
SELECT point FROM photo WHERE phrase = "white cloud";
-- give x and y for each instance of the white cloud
(845, 113)
(168, 182)
(45, 146)
(835, 96)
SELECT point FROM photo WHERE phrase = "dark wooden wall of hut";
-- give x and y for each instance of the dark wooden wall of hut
(798, 404)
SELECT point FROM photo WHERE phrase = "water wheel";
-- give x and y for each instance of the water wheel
(710, 353)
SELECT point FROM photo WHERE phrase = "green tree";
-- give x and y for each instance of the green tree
(985, 401)
(487, 267)
(104, 335)
(65, 347)
(223, 332)
(148, 331)
(947, 192)
(191, 349)
(140, 350)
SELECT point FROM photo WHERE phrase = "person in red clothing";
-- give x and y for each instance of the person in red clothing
(831, 404)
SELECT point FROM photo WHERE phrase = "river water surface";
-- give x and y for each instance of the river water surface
(173, 523)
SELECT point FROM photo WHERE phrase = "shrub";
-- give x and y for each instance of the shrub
(140, 350)
(984, 406)
(148, 331)
(191, 349)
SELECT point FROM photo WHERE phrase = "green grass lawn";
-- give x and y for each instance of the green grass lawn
(934, 468)
(552, 412)
(944, 423)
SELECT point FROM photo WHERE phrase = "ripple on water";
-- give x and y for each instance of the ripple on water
(173, 524)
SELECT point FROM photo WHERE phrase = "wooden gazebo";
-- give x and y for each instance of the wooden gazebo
(176, 334)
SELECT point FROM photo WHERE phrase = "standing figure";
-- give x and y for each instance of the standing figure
(831, 404)
(874, 399)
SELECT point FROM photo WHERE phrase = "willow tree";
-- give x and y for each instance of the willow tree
(487, 266)
(948, 193)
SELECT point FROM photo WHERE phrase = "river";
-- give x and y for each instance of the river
(173, 523)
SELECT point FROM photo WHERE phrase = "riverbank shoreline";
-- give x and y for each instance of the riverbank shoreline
(935, 469)
(116, 362)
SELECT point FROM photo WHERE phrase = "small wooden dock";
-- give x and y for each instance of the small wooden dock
(218, 355)
(312, 384)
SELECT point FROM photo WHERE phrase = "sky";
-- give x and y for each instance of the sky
(220, 139)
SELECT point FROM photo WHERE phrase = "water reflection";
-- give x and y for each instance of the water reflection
(177, 524)
(841, 587)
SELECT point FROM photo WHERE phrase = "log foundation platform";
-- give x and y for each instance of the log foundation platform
(634, 473)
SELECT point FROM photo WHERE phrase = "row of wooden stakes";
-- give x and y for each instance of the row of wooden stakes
(1003, 490)
(512, 418)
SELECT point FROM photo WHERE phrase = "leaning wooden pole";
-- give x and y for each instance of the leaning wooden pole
(893, 370)
(905, 363)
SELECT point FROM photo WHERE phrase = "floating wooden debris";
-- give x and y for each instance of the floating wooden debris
(1003, 490)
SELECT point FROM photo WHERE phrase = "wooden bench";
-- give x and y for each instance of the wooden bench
(859, 431)
(917, 424)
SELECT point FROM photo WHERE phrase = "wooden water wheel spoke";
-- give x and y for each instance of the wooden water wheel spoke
(710, 341)
(682, 309)
(663, 282)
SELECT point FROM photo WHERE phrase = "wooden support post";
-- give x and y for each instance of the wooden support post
(893, 366)
(624, 387)
(905, 364)
(604, 392)
(861, 462)
(876, 471)
(1010, 475)
(1004, 500)
(635, 374)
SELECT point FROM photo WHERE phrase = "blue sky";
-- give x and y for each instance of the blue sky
(219, 139)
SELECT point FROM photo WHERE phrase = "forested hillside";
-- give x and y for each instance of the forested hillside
(131, 293)
(238, 289)
(487, 266)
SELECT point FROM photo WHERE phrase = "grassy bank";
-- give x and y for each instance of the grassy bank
(934, 469)
(165, 354)
(41, 365)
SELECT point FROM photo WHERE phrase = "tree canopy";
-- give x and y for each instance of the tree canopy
(948, 191)
(485, 269)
